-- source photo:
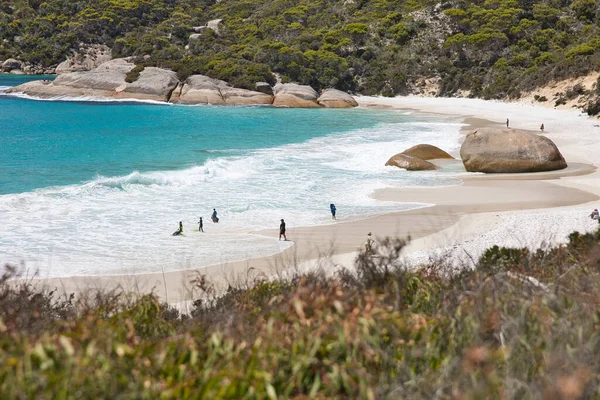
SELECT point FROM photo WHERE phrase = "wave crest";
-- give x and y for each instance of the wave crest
(214, 169)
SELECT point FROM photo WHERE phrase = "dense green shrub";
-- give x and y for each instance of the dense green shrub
(134, 74)
(369, 46)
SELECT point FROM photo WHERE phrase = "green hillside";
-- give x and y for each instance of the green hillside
(491, 48)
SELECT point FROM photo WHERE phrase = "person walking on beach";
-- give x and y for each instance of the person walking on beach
(369, 244)
(333, 209)
(507, 122)
(282, 230)
(542, 128)
(200, 225)
(214, 217)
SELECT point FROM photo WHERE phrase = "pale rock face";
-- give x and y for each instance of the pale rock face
(200, 89)
(410, 163)
(426, 152)
(214, 25)
(11, 64)
(47, 90)
(333, 98)
(293, 95)
(154, 82)
(85, 59)
(494, 150)
(107, 76)
(234, 96)
(107, 80)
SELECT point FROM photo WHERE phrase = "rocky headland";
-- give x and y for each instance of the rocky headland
(121, 79)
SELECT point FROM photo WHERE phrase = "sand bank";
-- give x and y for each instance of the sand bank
(457, 218)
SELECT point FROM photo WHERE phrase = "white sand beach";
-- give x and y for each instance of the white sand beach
(460, 221)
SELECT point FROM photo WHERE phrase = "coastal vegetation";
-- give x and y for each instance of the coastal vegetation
(481, 48)
(514, 324)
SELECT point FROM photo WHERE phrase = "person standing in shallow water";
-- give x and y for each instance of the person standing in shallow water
(542, 128)
(333, 209)
(200, 225)
(507, 122)
(214, 217)
(282, 230)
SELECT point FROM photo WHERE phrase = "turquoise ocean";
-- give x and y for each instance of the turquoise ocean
(97, 187)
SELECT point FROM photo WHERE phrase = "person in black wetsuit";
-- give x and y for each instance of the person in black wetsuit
(333, 209)
(282, 230)
(200, 225)
(180, 230)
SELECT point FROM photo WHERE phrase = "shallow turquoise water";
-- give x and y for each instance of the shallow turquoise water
(98, 187)
(49, 143)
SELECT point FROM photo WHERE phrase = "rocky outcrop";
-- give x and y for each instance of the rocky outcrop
(107, 77)
(86, 59)
(293, 95)
(426, 152)
(494, 150)
(11, 64)
(107, 80)
(410, 163)
(234, 96)
(334, 98)
(200, 89)
(214, 25)
(155, 83)
(264, 87)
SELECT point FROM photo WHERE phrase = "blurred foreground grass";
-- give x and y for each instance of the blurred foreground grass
(517, 324)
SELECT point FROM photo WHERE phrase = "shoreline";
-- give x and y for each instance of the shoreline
(459, 213)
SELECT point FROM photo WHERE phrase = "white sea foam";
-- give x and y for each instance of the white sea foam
(122, 224)
(82, 99)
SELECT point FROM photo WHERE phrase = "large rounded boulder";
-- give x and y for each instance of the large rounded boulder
(410, 163)
(426, 152)
(333, 98)
(153, 83)
(494, 150)
(293, 95)
(107, 77)
(200, 89)
(11, 64)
